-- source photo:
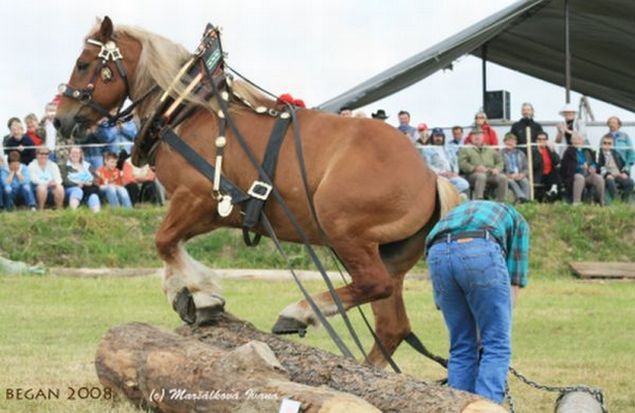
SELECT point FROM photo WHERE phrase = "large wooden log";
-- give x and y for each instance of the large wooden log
(137, 359)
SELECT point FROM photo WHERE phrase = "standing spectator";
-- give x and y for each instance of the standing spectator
(80, 182)
(614, 170)
(380, 114)
(20, 142)
(140, 183)
(621, 141)
(568, 126)
(474, 254)
(2, 168)
(92, 146)
(46, 180)
(110, 180)
(16, 183)
(545, 163)
(119, 136)
(445, 163)
(457, 140)
(483, 165)
(423, 135)
(579, 170)
(33, 129)
(518, 128)
(489, 134)
(346, 111)
(405, 128)
(516, 168)
(49, 128)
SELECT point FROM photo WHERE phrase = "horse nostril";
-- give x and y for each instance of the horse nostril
(57, 123)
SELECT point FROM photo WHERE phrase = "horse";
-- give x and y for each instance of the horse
(374, 197)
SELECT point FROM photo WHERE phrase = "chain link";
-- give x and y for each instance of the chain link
(593, 391)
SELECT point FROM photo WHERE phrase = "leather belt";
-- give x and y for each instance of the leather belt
(449, 237)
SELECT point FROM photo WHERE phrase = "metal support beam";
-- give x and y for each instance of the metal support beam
(567, 53)
(484, 71)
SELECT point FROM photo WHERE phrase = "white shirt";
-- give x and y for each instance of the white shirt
(41, 176)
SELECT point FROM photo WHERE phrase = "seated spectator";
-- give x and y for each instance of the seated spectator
(579, 170)
(456, 142)
(20, 142)
(444, 163)
(110, 181)
(2, 168)
(16, 183)
(483, 165)
(489, 134)
(33, 129)
(140, 182)
(79, 181)
(614, 170)
(515, 168)
(46, 180)
(621, 141)
(405, 128)
(545, 163)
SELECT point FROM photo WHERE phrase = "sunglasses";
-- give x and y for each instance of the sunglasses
(43, 154)
(607, 143)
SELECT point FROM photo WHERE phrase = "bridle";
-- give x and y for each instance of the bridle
(109, 52)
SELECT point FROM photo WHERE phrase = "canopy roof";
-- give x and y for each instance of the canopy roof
(528, 36)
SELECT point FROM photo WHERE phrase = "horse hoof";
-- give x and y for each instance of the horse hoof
(286, 325)
(209, 315)
(183, 304)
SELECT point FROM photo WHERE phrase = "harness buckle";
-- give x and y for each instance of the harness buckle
(260, 190)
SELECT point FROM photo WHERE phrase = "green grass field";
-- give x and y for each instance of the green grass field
(565, 331)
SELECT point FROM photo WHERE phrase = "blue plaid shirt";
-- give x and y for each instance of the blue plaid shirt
(502, 221)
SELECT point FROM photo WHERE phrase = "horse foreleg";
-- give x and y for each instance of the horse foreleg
(190, 286)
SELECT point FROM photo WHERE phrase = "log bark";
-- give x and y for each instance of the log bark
(136, 359)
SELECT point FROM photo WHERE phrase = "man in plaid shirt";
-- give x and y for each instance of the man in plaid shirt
(477, 256)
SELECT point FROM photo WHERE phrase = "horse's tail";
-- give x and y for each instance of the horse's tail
(448, 195)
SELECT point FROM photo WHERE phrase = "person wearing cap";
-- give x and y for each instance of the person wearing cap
(478, 260)
(444, 162)
(346, 111)
(516, 168)
(568, 126)
(424, 134)
(404, 126)
(380, 114)
(527, 120)
(483, 166)
(46, 179)
(489, 134)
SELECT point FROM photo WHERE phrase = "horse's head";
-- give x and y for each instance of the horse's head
(100, 79)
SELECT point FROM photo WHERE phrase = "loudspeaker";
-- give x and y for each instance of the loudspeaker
(497, 104)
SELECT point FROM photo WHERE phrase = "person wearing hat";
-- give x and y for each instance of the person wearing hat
(424, 134)
(444, 162)
(346, 111)
(568, 126)
(380, 114)
(483, 165)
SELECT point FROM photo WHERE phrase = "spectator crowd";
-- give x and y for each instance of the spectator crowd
(39, 168)
(567, 168)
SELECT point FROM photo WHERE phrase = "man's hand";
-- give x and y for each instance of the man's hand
(480, 168)
(494, 171)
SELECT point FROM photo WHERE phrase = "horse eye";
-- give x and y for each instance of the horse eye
(82, 66)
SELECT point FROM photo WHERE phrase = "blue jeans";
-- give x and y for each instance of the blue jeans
(472, 289)
(75, 192)
(23, 192)
(116, 196)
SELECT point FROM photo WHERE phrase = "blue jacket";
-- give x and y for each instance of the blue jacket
(117, 138)
(15, 184)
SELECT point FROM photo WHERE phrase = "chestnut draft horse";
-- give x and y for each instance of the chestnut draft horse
(374, 197)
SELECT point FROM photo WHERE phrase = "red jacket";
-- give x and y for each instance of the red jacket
(489, 136)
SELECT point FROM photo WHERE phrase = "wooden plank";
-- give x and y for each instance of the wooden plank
(588, 269)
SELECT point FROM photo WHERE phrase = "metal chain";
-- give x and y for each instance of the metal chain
(593, 391)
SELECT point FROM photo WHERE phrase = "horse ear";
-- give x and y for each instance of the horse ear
(106, 29)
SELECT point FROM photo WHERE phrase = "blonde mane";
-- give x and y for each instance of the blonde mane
(159, 63)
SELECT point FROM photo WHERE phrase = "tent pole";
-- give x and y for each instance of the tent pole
(484, 71)
(567, 53)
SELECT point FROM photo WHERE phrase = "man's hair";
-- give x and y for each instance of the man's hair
(14, 156)
(403, 112)
(457, 127)
(543, 133)
(11, 120)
